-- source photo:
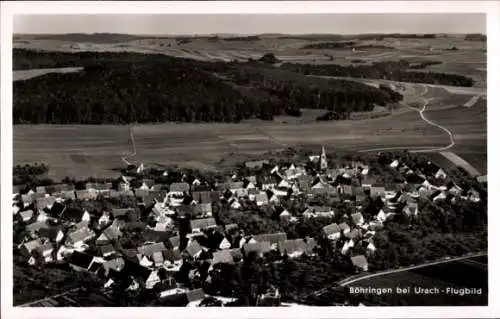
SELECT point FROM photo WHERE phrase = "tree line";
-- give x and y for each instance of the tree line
(386, 70)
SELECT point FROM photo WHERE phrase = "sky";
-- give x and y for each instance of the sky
(184, 24)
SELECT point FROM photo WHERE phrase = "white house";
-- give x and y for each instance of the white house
(347, 245)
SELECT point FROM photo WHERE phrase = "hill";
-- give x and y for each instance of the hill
(134, 87)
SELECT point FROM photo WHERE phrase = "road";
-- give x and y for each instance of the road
(134, 151)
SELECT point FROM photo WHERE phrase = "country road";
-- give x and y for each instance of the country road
(134, 151)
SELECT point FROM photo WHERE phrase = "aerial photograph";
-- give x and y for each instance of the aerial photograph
(250, 160)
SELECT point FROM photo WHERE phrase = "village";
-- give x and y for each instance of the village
(173, 225)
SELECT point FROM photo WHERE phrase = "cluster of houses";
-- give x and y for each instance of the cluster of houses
(89, 241)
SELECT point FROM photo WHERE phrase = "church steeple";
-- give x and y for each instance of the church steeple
(324, 163)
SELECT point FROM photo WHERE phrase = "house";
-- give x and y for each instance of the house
(229, 227)
(297, 247)
(157, 258)
(237, 189)
(261, 199)
(454, 189)
(411, 209)
(394, 164)
(52, 234)
(109, 234)
(260, 248)
(107, 250)
(45, 251)
(318, 211)
(357, 219)
(482, 179)
(202, 197)
(271, 298)
(269, 182)
(332, 231)
(26, 216)
(68, 195)
(104, 220)
(175, 242)
(369, 246)
(197, 225)
(225, 244)
(437, 195)
(194, 297)
(121, 212)
(344, 228)
(381, 216)
(34, 227)
(222, 257)
(114, 264)
(284, 214)
(360, 262)
(348, 244)
(28, 247)
(273, 239)
(79, 237)
(234, 203)
(179, 188)
(85, 194)
(172, 259)
(44, 202)
(150, 249)
(376, 191)
(193, 249)
(473, 195)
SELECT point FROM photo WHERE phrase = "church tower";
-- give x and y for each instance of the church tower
(324, 164)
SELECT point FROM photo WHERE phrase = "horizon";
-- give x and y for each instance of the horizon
(251, 24)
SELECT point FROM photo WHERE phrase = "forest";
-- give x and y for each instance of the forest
(386, 70)
(123, 88)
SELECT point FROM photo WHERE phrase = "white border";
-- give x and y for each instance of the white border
(8, 9)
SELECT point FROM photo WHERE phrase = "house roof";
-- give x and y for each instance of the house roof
(49, 232)
(45, 247)
(195, 295)
(112, 232)
(193, 248)
(235, 185)
(203, 208)
(175, 241)
(353, 234)
(296, 246)
(377, 191)
(172, 254)
(158, 257)
(83, 194)
(359, 261)
(202, 223)
(261, 197)
(331, 229)
(36, 226)
(121, 212)
(202, 197)
(81, 259)
(343, 226)
(235, 253)
(43, 202)
(179, 187)
(32, 245)
(222, 257)
(26, 214)
(271, 238)
(115, 264)
(149, 250)
(80, 235)
(356, 218)
(106, 249)
(259, 247)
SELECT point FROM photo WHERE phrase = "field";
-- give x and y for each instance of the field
(95, 150)
(468, 273)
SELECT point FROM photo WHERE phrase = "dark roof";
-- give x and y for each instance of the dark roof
(297, 245)
(175, 241)
(81, 260)
(107, 249)
(48, 232)
(148, 250)
(222, 257)
(172, 254)
(121, 212)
